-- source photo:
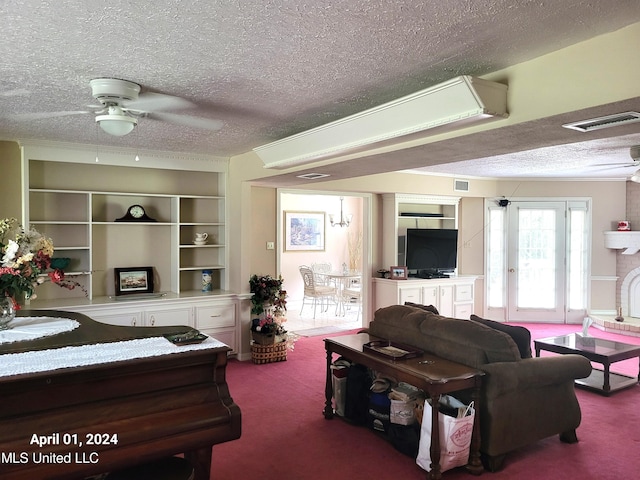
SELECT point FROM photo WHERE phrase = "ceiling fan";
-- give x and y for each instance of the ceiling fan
(121, 105)
(634, 153)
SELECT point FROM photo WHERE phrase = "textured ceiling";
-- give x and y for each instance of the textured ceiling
(266, 68)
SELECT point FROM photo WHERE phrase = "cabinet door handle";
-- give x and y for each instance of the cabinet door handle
(153, 320)
(133, 321)
(216, 315)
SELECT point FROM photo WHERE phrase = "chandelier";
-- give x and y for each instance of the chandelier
(345, 220)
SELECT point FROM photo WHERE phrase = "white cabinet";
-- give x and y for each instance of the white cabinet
(215, 315)
(453, 297)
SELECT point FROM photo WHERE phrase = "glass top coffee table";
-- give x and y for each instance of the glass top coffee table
(596, 350)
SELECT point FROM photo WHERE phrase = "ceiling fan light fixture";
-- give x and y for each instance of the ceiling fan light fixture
(118, 125)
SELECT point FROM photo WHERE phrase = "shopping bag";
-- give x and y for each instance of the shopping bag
(455, 434)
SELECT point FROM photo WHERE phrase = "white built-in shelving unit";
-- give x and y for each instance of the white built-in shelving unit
(77, 203)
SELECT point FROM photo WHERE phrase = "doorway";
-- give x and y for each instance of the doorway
(344, 246)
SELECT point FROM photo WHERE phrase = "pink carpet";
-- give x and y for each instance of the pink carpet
(285, 436)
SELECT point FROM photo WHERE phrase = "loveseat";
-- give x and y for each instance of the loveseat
(522, 400)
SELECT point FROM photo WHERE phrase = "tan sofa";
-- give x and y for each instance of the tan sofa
(522, 400)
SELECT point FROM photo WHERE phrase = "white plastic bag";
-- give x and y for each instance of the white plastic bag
(455, 435)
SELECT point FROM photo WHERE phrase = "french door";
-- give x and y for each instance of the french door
(537, 261)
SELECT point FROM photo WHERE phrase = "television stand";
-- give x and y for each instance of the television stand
(453, 296)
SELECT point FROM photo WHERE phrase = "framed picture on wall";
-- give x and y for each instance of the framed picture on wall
(398, 273)
(134, 280)
(304, 231)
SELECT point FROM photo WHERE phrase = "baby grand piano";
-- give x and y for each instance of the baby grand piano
(103, 417)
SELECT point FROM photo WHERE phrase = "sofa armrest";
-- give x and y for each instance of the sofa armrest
(532, 373)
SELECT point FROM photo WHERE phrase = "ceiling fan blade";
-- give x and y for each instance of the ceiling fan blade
(44, 115)
(616, 165)
(188, 121)
(620, 166)
(152, 102)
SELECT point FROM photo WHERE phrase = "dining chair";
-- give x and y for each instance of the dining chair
(353, 294)
(319, 272)
(314, 292)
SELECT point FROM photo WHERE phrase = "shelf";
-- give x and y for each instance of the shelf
(204, 267)
(403, 211)
(153, 224)
(81, 223)
(627, 241)
(202, 246)
(420, 217)
(201, 224)
(56, 222)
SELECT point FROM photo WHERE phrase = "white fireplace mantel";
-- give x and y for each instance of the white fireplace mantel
(627, 240)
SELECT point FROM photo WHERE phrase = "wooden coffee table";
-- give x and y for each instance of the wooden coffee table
(596, 350)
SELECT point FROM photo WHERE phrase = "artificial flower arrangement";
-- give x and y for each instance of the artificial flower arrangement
(267, 292)
(269, 301)
(269, 325)
(25, 262)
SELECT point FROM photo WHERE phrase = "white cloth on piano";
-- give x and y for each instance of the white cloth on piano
(31, 328)
(76, 356)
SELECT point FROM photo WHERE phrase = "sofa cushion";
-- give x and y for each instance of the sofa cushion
(428, 308)
(398, 323)
(520, 335)
(467, 342)
(462, 341)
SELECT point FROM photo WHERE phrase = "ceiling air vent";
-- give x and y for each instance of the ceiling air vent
(604, 122)
(313, 176)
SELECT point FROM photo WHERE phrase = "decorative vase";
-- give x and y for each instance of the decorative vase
(7, 312)
(207, 286)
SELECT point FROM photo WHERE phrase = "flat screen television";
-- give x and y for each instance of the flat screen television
(431, 253)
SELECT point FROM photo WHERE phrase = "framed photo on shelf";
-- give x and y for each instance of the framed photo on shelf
(134, 280)
(398, 273)
(304, 231)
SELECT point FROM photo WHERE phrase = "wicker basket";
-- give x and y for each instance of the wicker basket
(267, 339)
(269, 353)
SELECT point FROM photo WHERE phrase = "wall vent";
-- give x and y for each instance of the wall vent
(461, 185)
(604, 122)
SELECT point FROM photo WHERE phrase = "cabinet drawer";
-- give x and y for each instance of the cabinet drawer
(409, 295)
(126, 319)
(228, 337)
(168, 317)
(464, 293)
(215, 316)
(463, 311)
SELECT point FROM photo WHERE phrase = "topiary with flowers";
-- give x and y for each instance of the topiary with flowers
(25, 262)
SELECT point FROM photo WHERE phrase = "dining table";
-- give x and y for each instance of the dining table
(343, 280)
